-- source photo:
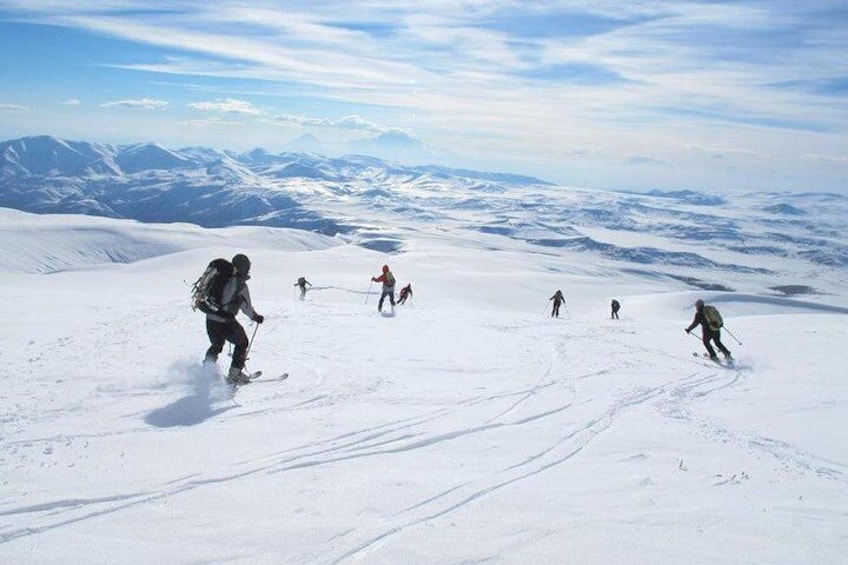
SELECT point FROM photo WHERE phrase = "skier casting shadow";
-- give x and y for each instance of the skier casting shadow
(222, 326)
(709, 332)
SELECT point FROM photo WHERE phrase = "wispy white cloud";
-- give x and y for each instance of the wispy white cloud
(717, 152)
(582, 152)
(643, 160)
(744, 80)
(227, 106)
(210, 122)
(839, 159)
(141, 103)
(348, 122)
(667, 48)
(71, 102)
(13, 108)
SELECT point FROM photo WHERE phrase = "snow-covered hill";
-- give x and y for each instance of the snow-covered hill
(59, 242)
(469, 427)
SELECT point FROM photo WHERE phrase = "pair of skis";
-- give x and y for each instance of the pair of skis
(253, 376)
(727, 362)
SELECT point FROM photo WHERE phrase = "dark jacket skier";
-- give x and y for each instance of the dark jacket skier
(707, 333)
(615, 307)
(388, 280)
(405, 292)
(558, 299)
(223, 327)
(302, 282)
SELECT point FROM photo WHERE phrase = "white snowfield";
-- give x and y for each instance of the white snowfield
(470, 427)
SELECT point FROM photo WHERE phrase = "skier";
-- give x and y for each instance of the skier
(223, 327)
(388, 280)
(708, 334)
(558, 299)
(615, 308)
(405, 292)
(302, 282)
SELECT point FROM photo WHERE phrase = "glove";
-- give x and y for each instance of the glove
(687, 330)
(258, 318)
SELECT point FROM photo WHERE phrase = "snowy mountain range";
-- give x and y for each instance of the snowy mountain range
(148, 182)
(370, 201)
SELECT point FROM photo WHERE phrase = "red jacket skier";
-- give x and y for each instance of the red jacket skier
(388, 280)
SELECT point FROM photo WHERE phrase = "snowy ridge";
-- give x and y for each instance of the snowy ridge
(47, 244)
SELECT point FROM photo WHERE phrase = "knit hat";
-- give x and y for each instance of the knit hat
(242, 263)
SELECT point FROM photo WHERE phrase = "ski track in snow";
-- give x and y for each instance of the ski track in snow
(550, 399)
(530, 396)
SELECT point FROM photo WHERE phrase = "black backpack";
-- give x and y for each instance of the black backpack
(207, 291)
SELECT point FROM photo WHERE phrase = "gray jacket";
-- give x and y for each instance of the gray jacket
(235, 296)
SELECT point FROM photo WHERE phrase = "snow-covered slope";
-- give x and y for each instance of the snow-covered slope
(50, 243)
(469, 427)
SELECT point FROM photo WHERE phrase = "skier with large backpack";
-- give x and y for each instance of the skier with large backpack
(220, 293)
(388, 280)
(711, 323)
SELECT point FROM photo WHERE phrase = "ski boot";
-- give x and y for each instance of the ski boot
(236, 376)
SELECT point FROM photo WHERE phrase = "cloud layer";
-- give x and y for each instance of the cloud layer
(643, 83)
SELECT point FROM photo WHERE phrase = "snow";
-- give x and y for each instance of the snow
(470, 427)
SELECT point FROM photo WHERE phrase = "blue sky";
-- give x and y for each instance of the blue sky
(620, 95)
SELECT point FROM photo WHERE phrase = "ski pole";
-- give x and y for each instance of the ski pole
(253, 337)
(567, 313)
(731, 335)
(693, 336)
(369, 292)
(545, 309)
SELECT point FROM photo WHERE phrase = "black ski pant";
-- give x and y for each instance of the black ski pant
(555, 311)
(221, 332)
(614, 314)
(391, 294)
(715, 337)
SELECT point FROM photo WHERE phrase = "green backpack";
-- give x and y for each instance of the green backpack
(712, 317)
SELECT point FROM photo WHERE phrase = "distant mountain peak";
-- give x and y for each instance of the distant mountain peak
(308, 143)
(307, 138)
(398, 137)
(394, 145)
(148, 156)
(46, 155)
